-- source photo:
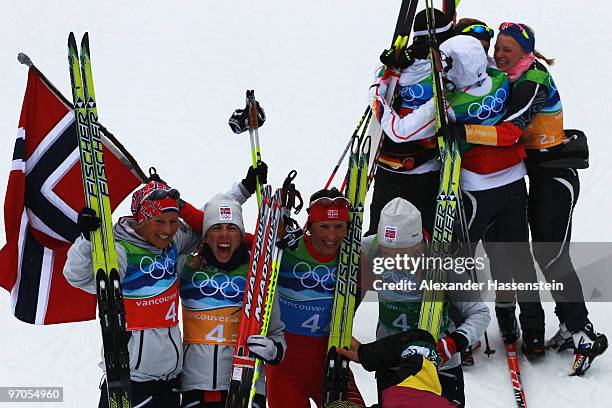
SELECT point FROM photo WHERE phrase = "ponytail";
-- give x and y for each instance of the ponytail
(538, 55)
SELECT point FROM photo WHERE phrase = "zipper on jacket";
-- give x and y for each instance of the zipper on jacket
(175, 350)
(140, 349)
(215, 357)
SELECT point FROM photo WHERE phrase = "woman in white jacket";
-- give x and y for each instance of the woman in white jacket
(212, 289)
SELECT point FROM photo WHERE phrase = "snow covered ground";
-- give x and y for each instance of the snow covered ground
(168, 75)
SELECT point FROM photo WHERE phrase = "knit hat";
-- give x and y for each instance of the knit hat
(465, 59)
(400, 225)
(328, 205)
(153, 199)
(522, 34)
(444, 26)
(222, 209)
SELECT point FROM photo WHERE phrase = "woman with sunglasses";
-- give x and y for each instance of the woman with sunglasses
(410, 169)
(400, 234)
(479, 30)
(535, 116)
(148, 244)
(212, 286)
(305, 290)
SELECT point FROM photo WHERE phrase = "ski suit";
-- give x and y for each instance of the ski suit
(155, 338)
(408, 170)
(398, 311)
(305, 291)
(211, 300)
(535, 116)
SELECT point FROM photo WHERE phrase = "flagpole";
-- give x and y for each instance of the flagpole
(25, 60)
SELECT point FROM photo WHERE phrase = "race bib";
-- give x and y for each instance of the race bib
(216, 327)
(154, 312)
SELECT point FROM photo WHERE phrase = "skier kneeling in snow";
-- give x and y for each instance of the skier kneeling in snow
(212, 287)
(148, 244)
(400, 234)
(414, 354)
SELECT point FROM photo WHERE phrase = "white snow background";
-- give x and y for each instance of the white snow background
(169, 74)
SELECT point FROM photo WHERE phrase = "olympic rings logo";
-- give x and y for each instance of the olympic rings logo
(320, 275)
(219, 283)
(491, 104)
(157, 267)
(412, 92)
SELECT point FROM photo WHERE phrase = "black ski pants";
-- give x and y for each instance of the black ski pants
(149, 394)
(501, 214)
(552, 198)
(420, 189)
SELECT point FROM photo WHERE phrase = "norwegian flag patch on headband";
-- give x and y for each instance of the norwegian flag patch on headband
(332, 213)
(390, 235)
(225, 213)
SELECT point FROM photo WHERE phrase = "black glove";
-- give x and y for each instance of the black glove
(457, 132)
(239, 121)
(400, 60)
(453, 132)
(250, 181)
(88, 222)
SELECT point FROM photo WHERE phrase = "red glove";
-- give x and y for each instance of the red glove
(446, 348)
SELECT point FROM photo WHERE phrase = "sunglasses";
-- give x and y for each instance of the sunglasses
(521, 29)
(158, 195)
(326, 202)
(479, 29)
(161, 194)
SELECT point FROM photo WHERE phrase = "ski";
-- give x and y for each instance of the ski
(256, 306)
(104, 256)
(401, 34)
(430, 318)
(515, 376)
(345, 296)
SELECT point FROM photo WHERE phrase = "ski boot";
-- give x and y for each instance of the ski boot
(533, 346)
(532, 325)
(588, 344)
(562, 340)
(508, 325)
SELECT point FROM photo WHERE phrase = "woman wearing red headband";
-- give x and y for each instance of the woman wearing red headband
(306, 284)
(148, 244)
(535, 116)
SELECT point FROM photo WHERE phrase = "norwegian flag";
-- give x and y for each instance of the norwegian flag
(43, 197)
(390, 234)
(332, 213)
(225, 213)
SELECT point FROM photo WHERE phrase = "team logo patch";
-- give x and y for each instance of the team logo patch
(390, 235)
(225, 213)
(331, 213)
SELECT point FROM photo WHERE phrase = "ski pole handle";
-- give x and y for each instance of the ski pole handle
(254, 137)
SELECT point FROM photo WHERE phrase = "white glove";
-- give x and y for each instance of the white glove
(264, 348)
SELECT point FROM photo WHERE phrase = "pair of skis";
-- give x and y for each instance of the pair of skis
(104, 256)
(357, 182)
(447, 202)
(347, 281)
(258, 298)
